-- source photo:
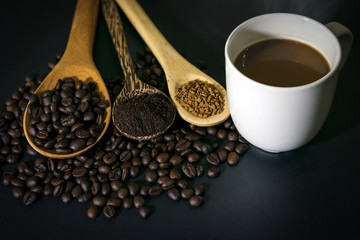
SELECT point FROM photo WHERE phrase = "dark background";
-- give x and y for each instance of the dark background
(309, 193)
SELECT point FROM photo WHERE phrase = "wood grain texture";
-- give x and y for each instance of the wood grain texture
(177, 69)
(77, 63)
(133, 86)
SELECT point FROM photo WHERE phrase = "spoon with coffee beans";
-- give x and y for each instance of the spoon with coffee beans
(140, 111)
(70, 111)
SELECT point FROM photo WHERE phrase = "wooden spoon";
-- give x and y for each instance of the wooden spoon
(77, 63)
(177, 69)
(133, 86)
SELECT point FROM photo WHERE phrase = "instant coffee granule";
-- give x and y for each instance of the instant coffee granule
(200, 98)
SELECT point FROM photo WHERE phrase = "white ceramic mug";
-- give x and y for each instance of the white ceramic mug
(278, 119)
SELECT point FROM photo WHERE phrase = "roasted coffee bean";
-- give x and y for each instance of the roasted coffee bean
(196, 201)
(105, 189)
(212, 130)
(221, 134)
(162, 179)
(199, 189)
(189, 170)
(153, 165)
(241, 148)
(69, 186)
(29, 198)
(229, 146)
(155, 190)
(182, 144)
(79, 172)
(125, 156)
(144, 212)
(85, 185)
(85, 197)
(213, 159)
(99, 201)
(115, 202)
(222, 155)
(16, 182)
(168, 184)
(127, 203)
(95, 188)
(66, 197)
(176, 160)
(123, 193)
(187, 193)
(12, 158)
(82, 133)
(199, 170)
(232, 136)
(92, 212)
(192, 136)
(48, 189)
(163, 157)
(22, 176)
(68, 121)
(139, 201)
(76, 191)
(133, 188)
(18, 192)
(174, 194)
(193, 157)
(206, 148)
(213, 172)
(175, 174)
(114, 174)
(32, 181)
(233, 158)
(182, 183)
(6, 181)
(58, 190)
(144, 190)
(109, 211)
(77, 144)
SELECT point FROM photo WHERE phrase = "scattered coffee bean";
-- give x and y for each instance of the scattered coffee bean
(109, 211)
(196, 201)
(144, 212)
(213, 172)
(92, 212)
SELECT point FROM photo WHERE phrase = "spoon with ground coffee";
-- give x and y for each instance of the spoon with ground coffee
(140, 111)
(54, 109)
(199, 99)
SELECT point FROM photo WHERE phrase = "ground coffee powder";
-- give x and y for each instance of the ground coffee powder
(145, 115)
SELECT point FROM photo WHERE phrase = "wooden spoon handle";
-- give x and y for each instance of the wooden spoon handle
(113, 21)
(161, 48)
(81, 40)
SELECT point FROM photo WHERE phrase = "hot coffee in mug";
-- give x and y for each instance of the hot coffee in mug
(281, 76)
(282, 63)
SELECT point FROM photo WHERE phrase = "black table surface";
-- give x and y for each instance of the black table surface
(309, 193)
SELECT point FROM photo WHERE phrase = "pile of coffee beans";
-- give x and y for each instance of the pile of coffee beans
(119, 172)
(68, 118)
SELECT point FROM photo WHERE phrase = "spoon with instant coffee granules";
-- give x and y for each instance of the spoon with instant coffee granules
(76, 63)
(180, 74)
(140, 111)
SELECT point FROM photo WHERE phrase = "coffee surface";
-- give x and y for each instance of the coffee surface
(282, 63)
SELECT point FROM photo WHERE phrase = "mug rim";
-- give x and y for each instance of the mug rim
(309, 85)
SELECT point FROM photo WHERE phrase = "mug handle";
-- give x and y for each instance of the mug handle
(345, 37)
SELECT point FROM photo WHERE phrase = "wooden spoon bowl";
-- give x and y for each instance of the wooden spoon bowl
(133, 86)
(76, 63)
(177, 69)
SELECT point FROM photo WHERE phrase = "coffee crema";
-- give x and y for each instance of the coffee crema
(282, 63)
